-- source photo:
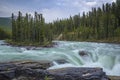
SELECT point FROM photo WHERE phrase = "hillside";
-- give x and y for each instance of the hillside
(5, 23)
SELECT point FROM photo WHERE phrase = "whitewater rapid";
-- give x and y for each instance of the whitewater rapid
(104, 55)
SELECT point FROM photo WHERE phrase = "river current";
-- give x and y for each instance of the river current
(104, 55)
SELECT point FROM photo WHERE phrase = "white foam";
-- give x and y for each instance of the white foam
(106, 56)
(62, 66)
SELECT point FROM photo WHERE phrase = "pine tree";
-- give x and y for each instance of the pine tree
(13, 28)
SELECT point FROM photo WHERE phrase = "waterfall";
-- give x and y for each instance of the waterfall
(104, 55)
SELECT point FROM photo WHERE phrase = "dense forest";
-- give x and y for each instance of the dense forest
(30, 30)
(99, 24)
(102, 23)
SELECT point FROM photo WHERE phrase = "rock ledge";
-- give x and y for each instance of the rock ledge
(30, 70)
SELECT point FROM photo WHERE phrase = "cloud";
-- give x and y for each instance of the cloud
(51, 9)
(91, 3)
(53, 14)
(4, 11)
(113, 0)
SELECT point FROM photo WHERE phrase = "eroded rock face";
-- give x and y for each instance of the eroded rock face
(11, 70)
(78, 74)
(28, 70)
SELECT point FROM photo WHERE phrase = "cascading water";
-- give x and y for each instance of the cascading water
(102, 55)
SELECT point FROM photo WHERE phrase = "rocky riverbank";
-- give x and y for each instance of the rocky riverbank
(31, 70)
(29, 46)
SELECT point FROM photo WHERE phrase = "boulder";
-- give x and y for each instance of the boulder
(31, 70)
(78, 74)
(83, 53)
(34, 64)
(10, 74)
(12, 70)
(114, 77)
(61, 61)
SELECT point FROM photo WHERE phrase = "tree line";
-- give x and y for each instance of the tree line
(102, 23)
(29, 29)
(97, 24)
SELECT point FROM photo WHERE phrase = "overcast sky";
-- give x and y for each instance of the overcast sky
(51, 9)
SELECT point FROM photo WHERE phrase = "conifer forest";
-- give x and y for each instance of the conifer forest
(99, 24)
(60, 40)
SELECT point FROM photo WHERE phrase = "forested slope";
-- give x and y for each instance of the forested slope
(5, 22)
(30, 30)
(99, 24)
(102, 23)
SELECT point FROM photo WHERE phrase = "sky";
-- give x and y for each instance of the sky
(51, 9)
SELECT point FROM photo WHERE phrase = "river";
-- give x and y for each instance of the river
(104, 55)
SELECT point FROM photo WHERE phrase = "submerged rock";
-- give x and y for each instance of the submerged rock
(83, 53)
(61, 61)
(29, 70)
